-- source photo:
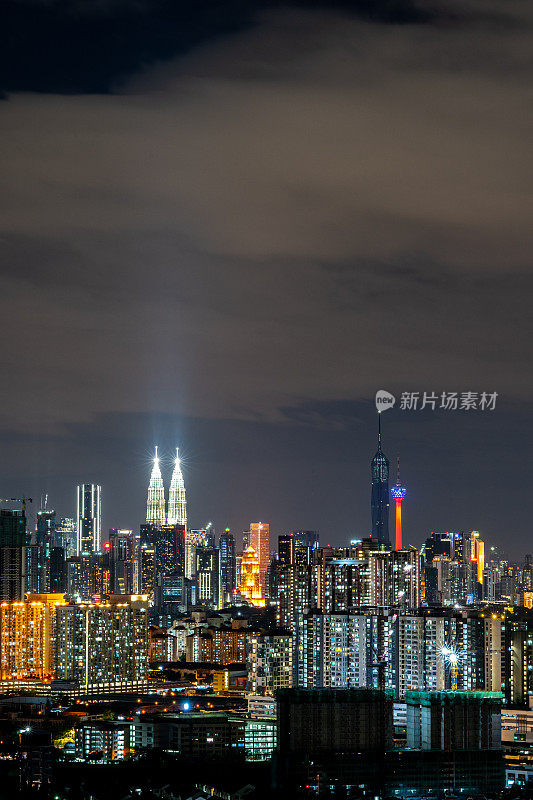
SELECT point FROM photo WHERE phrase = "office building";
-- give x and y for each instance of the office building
(57, 570)
(198, 538)
(119, 549)
(89, 518)
(171, 594)
(208, 576)
(169, 542)
(66, 536)
(226, 545)
(12, 554)
(147, 569)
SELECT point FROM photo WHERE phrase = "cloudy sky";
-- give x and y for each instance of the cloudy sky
(226, 225)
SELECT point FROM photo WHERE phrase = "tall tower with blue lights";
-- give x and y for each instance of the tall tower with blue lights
(155, 506)
(379, 499)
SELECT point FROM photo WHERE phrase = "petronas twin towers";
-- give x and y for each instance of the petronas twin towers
(177, 504)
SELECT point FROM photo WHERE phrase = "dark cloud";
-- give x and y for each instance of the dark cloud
(243, 239)
(75, 46)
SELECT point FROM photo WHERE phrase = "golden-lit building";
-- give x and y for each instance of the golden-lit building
(259, 539)
(26, 637)
(250, 585)
(478, 554)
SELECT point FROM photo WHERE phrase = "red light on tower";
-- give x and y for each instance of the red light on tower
(398, 492)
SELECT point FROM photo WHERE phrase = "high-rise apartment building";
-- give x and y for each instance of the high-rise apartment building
(147, 569)
(89, 518)
(102, 643)
(269, 662)
(26, 637)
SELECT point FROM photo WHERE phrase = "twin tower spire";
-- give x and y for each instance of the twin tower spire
(177, 505)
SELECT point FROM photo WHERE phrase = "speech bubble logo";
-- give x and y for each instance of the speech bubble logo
(384, 400)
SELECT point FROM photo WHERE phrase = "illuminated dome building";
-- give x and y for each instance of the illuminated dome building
(250, 585)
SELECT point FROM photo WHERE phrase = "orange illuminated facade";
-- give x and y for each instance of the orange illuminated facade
(26, 637)
(478, 554)
(260, 541)
(250, 586)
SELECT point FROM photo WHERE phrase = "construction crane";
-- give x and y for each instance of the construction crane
(22, 500)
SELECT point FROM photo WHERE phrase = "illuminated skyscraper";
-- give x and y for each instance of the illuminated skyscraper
(89, 518)
(155, 507)
(13, 554)
(379, 502)
(193, 540)
(226, 545)
(398, 493)
(66, 535)
(177, 505)
(208, 575)
(478, 554)
(120, 551)
(260, 541)
(250, 586)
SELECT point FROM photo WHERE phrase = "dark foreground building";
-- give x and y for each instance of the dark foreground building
(453, 743)
(334, 741)
(331, 738)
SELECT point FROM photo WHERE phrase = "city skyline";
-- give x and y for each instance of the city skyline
(309, 517)
(249, 288)
(254, 256)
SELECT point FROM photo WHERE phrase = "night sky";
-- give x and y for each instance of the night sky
(225, 225)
